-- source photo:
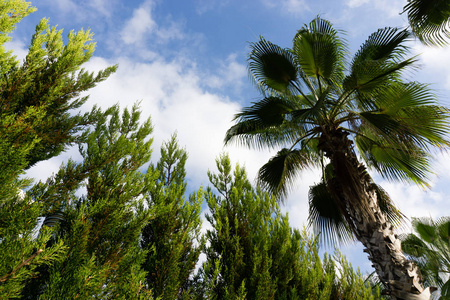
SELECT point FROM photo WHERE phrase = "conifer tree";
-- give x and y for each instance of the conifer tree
(101, 227)
(37, 99)
(171, 236)
(253, 253)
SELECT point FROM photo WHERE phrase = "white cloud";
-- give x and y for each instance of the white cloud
(435, 62)
(140, 24)
(229, 73)
(356, 3)
(66, 6)
(18, 48)
(142, 27)
(288, 6)
(81, 10)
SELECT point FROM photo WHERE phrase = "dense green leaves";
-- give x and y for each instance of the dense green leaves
(253, 253)
(36, 97)
(171, 238)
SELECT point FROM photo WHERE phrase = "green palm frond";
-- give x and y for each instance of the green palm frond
(383, 45)
(429, 247)
(279, 173)
(411, 164)
(429, 20)
(272, 66)
(319, 50)
(264, 124)
(380, 59)
(326, 217)
(254, 134)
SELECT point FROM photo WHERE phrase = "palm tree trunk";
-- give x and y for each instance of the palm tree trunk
(353, 185)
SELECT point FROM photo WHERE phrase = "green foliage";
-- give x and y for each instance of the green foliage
(429, 248)
(101, 201)
(170, 237)
(40, 93)
(36, 97)
(429, 20)
(253, 253)
(316, 103)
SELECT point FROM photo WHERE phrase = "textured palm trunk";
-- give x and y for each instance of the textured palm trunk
(354, 188)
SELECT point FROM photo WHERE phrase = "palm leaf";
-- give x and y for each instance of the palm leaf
(411, 164)
(263, 124)
(383, 45)
(429, 20)
(319, 51)
(326, 218)
(271, 66)
(429, 249)
(379, 60)
(279, 173)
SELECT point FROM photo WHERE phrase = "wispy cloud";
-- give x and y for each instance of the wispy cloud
(142, 27)
(139, 25)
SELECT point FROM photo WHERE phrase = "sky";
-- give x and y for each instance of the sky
(186, 62)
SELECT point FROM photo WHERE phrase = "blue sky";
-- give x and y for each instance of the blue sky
(186, 62)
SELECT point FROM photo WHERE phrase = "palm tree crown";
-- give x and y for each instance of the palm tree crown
(311, 92)
(317, 105)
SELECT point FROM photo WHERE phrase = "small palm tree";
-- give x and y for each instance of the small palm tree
(429, 20)
(429, 248)
(316, 107)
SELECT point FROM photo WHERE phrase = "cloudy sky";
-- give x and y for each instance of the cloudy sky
(186, 62)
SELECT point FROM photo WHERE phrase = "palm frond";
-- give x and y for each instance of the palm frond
(272, 66)
(429, 248)
(319, 51)
(326, 218)
(405, 116)
(253, 134)
(383, 45)
(380, 59)
(397, 96)
(263, 124)
(429, 20)
(411, 164)
(279, 173)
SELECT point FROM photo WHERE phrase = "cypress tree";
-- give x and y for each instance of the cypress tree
(100, 204)
(171, 237)
(37, 99)
(253, 253)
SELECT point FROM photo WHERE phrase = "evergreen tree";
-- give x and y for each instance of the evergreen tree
(253, 253)
(36, 99)
(101, 227)
(171, 235)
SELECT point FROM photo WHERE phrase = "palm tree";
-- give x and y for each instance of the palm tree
(429, 248)
(429, 20)
(316, 107)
